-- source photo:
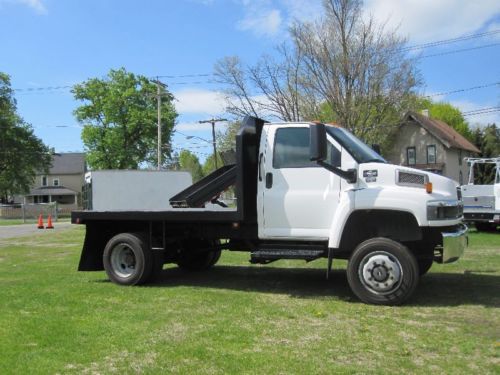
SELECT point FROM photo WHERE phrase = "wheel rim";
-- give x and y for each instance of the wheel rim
(380, 272)
(123, 260)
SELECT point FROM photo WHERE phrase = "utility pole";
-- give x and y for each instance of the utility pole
(213, 121)
(158, 99)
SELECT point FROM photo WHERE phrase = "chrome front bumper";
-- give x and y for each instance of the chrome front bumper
(454, 244)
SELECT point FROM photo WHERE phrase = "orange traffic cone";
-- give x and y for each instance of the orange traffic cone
(40, 222)
(49, 223)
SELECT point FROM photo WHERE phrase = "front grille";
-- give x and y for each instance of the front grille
(407, 178)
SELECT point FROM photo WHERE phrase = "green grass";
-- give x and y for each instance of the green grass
(15, 221)
(237, 318)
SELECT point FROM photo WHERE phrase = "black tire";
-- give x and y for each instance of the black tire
(393, 275)
(424, 265)
(484, 227)
(193, 260)
(127, 259)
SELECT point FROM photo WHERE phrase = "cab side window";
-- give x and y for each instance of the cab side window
(291, 149)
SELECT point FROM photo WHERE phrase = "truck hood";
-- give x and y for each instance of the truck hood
(372, 175)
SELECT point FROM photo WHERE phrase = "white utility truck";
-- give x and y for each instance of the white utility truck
(304, 191)
(482, 201)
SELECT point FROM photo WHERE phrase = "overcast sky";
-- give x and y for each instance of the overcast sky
(53, 43)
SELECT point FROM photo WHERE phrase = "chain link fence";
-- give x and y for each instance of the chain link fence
(31, 212)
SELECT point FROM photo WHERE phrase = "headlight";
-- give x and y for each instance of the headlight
(444, 210)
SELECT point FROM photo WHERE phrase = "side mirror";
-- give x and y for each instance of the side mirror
(318, 153)
(317, 143)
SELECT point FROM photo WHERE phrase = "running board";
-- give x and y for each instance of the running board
(269, 255)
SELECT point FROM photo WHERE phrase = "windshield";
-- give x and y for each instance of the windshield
(359, 151)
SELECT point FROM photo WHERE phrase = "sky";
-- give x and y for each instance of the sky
(48, 45)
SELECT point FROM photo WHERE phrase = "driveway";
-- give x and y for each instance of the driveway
(9, 231)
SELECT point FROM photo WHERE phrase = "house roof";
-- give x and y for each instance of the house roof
(68, 163)
(442, 131)
(52, 190)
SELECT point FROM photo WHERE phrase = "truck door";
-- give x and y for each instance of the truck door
(297, 198)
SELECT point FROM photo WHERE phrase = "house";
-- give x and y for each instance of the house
(63, 184)
(432, 145)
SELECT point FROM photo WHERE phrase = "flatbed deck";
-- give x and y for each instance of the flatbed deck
(184, 215)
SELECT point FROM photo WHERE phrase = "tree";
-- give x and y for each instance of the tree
(357, 67)
(22, 154)
(209, 165)
(119, 118)
(190, 162)
(226, 140)
(279, 91)
(487, 140)
(344, 68)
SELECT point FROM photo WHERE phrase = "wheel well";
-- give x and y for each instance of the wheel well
(361, 225)
(97, 236)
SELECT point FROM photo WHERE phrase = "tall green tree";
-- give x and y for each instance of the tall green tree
(226, 140)
(190, 162)
(209, 165)
(22, 154)
(487, 139)
(119, 118)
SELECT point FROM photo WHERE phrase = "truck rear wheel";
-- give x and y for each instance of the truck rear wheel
(193, 260)
(127, 259)
(382, 272)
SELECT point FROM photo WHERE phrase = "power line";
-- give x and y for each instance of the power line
(449, 41)
(459, 50)
(187, 75)
(481, 111)
(463, 90)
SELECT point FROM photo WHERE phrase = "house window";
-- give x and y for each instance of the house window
(460, 178)
(55, 182)
(431, 154)
(459, 157)
(411, 158)
(44, 180)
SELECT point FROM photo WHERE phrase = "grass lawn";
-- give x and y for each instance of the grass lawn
(237, 318)
(15, 221)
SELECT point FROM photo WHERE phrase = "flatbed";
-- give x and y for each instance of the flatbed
(303, 191)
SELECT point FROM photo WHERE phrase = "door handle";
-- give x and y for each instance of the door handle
(260, 166)
(269, 180)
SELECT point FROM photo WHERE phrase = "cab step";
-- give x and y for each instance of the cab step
(270, 254)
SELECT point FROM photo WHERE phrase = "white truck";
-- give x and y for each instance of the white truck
(482, 201)
(304, 191)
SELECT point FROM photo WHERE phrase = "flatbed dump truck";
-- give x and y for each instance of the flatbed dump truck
(304, 191)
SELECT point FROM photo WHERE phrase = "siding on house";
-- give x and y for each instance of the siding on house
(420, 132)
(68, 169)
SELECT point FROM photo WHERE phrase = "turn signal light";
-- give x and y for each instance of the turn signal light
(428, 187)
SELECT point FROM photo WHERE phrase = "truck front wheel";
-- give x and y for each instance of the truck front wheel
(382, 272)
(127, 259)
